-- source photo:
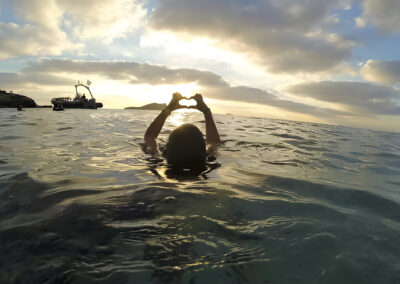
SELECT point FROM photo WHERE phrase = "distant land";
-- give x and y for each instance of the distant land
(153, 106)
(11, 100)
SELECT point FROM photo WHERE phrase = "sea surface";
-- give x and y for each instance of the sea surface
(284, 202)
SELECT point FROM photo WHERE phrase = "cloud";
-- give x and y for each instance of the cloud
(360, 98)
(105, 20)
(360, 22)
(44, 13)
(382, 71)
(136, 73)
(10, 80)
(39, 34)
(383, 13)
(28, 40)
(50, 27)
(262, 97)
(279, 35)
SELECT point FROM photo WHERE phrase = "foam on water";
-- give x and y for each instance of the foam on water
(285, 202)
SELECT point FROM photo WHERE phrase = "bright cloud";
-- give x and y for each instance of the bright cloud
(277, 34)
(382, 71)
(39, 32)
(50, 27)
(21, 40)
(105, 20)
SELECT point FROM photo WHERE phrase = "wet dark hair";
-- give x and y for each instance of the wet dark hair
(186, 147)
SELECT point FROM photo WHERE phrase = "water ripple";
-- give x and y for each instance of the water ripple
(319, 201)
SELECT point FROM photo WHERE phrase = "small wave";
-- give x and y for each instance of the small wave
(271, 128)
(260, 144)
(10, 137)
(29, 123)
(311, 149)
(394, 183)
(337, 197)
(383, 170)
(302, 152)
(285, 135)
(387, 155)
(292, 162)
(343, 158)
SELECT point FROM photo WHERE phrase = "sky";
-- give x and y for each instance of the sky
(323, 61)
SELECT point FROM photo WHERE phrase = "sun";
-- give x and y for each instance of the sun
(122, 94)
(163, 93)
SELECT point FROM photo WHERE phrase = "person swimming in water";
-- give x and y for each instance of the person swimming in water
(186, 147)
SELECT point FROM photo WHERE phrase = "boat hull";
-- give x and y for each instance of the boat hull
(80, 101)
(77, 104)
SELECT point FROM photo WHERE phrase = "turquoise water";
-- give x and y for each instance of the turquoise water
(285, 202)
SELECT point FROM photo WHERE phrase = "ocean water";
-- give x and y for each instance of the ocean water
(284, 202)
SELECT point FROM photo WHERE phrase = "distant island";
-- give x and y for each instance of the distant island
(153, 106)
(11, 100)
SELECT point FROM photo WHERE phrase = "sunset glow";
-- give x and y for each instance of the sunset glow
(334, 62)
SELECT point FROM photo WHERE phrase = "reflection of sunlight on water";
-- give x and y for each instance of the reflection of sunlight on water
(77, 183)
(177, 118)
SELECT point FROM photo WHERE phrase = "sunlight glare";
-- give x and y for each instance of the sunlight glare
(163, 93)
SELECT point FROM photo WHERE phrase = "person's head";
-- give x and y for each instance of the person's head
(186, 147)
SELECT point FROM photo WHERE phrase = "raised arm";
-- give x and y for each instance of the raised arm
(155, 127)
(212, 136)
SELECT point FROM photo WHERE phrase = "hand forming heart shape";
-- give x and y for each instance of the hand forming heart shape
(187, 102)
(175, 102)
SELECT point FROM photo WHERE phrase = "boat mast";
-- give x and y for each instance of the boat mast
(82, 85)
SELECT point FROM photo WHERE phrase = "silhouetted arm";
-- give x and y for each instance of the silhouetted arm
(212, 136)
(153, 130)
(151, 134)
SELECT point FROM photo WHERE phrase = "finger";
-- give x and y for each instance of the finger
(195, 97)
(176, 95)
(198, 97)
(180, 106)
